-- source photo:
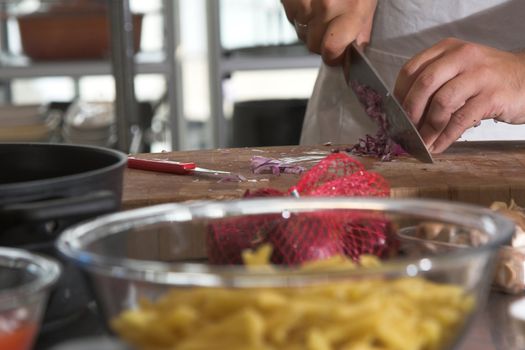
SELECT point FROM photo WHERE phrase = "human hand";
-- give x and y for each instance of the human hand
(329, 26)
(453, 85)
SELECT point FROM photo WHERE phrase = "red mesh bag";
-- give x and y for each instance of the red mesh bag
(318, 235)
(336, 166)
(371, 234)
(306, 237)
(228, 238)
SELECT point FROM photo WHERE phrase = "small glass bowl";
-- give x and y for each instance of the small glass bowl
(25, 281)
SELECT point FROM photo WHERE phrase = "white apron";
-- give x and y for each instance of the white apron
(403, 28)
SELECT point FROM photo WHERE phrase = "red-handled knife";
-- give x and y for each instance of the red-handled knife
(179, 168)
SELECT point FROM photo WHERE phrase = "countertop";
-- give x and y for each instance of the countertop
(472, 172)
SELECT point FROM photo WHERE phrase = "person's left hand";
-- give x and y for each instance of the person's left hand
(455, 84)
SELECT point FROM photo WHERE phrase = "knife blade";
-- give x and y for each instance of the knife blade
(400, 128)
(179, 168)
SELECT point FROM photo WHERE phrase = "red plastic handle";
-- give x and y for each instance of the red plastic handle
(160, 165)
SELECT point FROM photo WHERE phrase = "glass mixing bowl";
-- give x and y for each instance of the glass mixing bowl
(157, 288)
(25, 280)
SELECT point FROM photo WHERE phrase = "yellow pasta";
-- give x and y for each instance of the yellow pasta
(259, 257)
(367, 314)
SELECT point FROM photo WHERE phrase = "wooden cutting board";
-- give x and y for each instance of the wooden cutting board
(473, 172)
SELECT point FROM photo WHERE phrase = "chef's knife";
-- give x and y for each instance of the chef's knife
(399, 127)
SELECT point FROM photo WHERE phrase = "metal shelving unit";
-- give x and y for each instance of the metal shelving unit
(121, 65)
(266, 63)
(19, 67)
(294, 56)
(222, 64)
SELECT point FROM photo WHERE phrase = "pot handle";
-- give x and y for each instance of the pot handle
(93, 204)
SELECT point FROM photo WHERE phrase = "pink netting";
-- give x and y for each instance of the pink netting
(227, 238)
(301, 237)
(336, 166)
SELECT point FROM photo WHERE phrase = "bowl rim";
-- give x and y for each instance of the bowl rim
(201, 274)
(45, 269)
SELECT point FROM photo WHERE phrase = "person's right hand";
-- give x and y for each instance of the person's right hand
(329, 26)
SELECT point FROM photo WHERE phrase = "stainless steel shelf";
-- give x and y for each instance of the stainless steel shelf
(293, 56)
(229, 65)
(222, 63)
(19, 67)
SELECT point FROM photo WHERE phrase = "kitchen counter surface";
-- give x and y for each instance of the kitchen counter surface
(473, 172)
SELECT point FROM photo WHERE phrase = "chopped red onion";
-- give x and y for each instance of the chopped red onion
(261, 165)
(380, 145)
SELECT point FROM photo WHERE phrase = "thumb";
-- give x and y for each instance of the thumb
(363, 37)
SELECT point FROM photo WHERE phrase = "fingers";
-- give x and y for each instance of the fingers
(413, 68)
(409, 73)
(331, 24)
(301, 30)
(299, 13)
(366, 32)
(298, 10)
(328, 27)
(445, 106)
(429, 79)
(349, 21)
(467, 116)
(425, 86)
(338, 35)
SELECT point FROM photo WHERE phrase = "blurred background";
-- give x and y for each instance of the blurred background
(152, 75)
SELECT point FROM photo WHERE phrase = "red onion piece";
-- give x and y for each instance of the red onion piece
(263, 165)
(380, 145)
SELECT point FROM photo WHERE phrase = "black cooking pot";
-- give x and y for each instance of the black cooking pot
(45, 188)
